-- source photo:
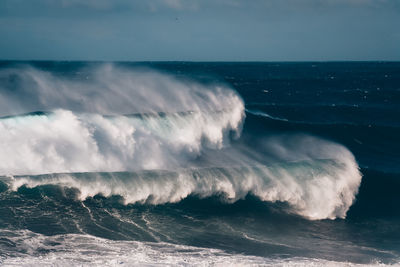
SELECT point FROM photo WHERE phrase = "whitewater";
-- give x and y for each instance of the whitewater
(109, 139)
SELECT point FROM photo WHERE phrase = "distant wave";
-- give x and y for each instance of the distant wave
(315, 122)
(263, 114)
(313, 114)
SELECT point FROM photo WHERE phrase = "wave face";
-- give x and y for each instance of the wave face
(163, 158)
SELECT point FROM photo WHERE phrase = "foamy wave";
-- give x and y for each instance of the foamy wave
(181, 127)
(85, 250)
(313, 188)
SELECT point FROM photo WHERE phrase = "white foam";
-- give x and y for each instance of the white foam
(85, 250)
(315, 186)
(68, 142)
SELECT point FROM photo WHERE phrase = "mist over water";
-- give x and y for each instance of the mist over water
(107, 89)
(80, 140)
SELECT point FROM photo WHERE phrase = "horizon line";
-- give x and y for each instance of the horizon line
(197, 61)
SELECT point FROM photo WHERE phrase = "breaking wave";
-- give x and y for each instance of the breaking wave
(152, 138)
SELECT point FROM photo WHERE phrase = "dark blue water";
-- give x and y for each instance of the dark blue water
(262, 171)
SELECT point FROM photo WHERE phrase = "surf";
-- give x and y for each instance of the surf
(152, 138)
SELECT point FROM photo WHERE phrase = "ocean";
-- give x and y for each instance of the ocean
(208, 163)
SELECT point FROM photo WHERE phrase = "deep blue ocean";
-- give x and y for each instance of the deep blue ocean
(182, 163)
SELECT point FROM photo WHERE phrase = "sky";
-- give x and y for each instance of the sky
(200, 30)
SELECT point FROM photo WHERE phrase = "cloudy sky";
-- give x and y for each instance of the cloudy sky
(200, 30)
